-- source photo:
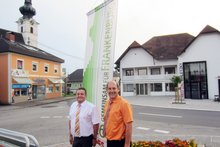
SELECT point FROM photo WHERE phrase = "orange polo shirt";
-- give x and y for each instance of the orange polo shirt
(120, 113)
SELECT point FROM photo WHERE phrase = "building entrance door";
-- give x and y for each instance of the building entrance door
(34, 91)
(195, 80)
(141, 89)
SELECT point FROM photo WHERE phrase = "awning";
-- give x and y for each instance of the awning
(56, 81)
(23, 80)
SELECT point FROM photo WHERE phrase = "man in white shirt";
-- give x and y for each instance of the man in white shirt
(84, 121)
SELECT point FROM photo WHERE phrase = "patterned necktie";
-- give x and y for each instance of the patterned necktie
(106, 118)
(77, 129)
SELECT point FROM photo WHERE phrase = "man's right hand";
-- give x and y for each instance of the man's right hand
(71, 139)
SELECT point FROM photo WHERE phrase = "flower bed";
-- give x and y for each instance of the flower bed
(176, 142)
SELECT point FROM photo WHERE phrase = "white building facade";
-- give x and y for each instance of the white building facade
(141, 74)
(147, 69)
(199, 65)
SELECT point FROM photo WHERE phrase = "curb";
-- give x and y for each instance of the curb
(32, 103)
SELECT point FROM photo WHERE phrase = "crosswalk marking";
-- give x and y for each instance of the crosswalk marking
(56, 117)
(142, 128)
(45, 117)
(156, 130)
(153, 114)
(162, 131)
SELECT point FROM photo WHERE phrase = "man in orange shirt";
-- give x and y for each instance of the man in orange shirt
(118, 118)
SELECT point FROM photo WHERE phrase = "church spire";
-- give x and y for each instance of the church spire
(27, 10)
(27, 25)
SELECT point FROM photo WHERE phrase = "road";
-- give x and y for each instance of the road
(178, 116)
(49, 123)
(153, 123)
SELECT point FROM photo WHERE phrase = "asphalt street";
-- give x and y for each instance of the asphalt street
(155, 118)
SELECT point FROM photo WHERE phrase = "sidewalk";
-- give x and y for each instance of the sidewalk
(153, 101)
(167, 102)
(31, 103)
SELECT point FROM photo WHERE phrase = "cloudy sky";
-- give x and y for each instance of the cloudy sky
(63, 23)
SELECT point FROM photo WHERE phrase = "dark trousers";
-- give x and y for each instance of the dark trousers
(116, 143)
(82, 141)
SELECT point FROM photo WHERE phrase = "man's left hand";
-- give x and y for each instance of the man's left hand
(94, 141)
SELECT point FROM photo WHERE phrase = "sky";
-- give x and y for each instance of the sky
(63, 23)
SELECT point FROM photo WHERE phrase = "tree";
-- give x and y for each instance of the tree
(176, 80)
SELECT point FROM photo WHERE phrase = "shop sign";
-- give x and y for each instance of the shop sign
(19, 73)
(20, 86)
(39, 81)
(181, 68)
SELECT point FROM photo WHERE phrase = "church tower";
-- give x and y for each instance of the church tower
(27, 26)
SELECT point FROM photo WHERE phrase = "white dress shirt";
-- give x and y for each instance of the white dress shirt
(87, 118)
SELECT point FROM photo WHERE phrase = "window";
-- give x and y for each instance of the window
(34, 66)
(57, 88)
(20, 64)
(129, 72)
(41, 90)
(155, 71)
(21, 29)
(46, 68)
(55, 69)
(50, 88)
(128, 88)
(142, 71)
(32, 30)
(23, 92)
(156, 87)
(170, 87)
(169, 70)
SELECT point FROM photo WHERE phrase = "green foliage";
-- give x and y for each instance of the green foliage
(176, 80)
(192, 143)
(67, 95)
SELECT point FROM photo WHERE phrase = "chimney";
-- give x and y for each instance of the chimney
(10, 36)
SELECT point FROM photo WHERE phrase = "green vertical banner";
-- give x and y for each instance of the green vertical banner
(99, 57)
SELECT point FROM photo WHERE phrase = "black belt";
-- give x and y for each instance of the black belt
(83, 136)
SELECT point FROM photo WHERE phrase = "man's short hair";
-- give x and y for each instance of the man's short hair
(115, 83)
(82, 88)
